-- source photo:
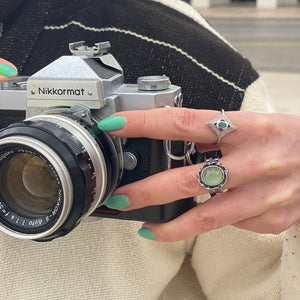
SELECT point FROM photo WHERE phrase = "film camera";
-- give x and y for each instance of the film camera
(56, 167)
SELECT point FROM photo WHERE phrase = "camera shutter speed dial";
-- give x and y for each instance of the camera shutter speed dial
(153, 83)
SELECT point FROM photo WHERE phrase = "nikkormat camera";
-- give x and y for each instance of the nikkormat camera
(57, 167)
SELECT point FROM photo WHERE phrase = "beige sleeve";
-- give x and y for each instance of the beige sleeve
(101, 260)
(257, 98)
(290, 264)
(238, 264)
(231, 263)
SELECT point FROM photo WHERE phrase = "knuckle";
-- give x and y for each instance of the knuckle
(184, 120)
(267, 126)
(279, 220)
(187, 184)
(204, 222)
(144, 198)
(273, 167)
(262, 125)
(144, 121)
(268, 167)
(282, 198)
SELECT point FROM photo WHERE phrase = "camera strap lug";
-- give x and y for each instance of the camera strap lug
(189, 147)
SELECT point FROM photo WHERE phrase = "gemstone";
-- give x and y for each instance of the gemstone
(222, 125)
(212, 176)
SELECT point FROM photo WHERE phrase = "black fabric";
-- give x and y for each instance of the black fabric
(8, 8)
(27, 43)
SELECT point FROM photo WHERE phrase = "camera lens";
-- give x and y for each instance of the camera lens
(36, 193)
(55, 170)
(28, 184)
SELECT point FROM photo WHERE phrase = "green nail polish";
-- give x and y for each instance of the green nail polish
(7, 70)
(117, 202)
(111, 123)
(146, 233)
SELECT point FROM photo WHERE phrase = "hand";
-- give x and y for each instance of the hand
(7, 70)
(261, 156)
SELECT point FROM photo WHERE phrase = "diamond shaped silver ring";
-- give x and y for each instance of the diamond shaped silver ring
(221, 126)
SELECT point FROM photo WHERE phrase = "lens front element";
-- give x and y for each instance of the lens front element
(36, 193)
(28, 184)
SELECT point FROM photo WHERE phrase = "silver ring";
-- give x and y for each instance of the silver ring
(213, 175)
(221, 126)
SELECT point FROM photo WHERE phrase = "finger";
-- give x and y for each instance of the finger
(8, 71)
(224, 209)
(178, 124)
(180, 183)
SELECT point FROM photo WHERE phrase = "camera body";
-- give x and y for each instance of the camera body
(56, 167)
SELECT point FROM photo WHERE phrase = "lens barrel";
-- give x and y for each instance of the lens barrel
(54, 171)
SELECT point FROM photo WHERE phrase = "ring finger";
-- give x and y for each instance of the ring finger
(178, 184)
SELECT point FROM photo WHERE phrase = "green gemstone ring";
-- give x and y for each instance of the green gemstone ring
(213, 175)
(221, 126)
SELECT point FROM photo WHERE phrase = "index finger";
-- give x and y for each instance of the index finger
(181, 124)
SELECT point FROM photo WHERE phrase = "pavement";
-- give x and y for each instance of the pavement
(270, 39)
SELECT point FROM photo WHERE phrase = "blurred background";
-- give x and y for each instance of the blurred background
(268, 33)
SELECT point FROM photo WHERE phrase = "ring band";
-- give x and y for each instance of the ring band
(213, 175)
(221, 126)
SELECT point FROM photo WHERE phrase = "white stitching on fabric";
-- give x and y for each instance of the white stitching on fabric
(192, 13)
(145, 38)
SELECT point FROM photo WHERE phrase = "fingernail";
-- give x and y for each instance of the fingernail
(111, 123)
(117, 202)
(7, 70)
(146, 233)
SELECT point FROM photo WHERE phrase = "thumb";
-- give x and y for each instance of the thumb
(8, 71)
